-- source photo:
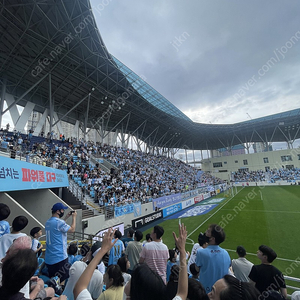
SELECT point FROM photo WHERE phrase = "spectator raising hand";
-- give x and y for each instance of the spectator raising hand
(80, 289)
(180, 241)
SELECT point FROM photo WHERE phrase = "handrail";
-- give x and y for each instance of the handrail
(294, 288)
(292, 279)
(75, 236)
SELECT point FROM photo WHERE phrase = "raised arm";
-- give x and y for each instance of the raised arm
(73, 225)
(182, 289)
(86, 276)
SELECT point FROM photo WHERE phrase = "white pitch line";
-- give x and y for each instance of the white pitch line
(192, 241)
(213, 214)
(254, 254)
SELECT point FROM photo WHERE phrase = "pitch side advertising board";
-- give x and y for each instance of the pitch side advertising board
(172, 209)
(142, 221)
(199, 198)
(99, 234)
(165, 201)
(187, 203)
(206, 195)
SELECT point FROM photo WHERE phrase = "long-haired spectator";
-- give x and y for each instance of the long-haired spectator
(124, 265)
(146, 284)
(196, 290)
(230, 288)
(148, 239)
(113, 279)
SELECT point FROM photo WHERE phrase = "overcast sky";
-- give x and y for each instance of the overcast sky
(217, 61)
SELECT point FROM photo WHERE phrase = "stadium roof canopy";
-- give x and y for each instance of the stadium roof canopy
(52, 54)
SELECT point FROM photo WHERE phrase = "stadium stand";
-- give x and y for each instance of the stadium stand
(123, 183)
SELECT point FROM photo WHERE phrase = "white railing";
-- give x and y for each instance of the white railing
(294, 279)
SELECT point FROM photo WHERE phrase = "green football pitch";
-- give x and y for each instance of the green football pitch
(253, 216)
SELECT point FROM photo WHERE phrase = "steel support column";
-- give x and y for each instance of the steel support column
(186, 159)
(23, 95)
(194, 158)
(50, 104)
(3, 93)
(86, 116)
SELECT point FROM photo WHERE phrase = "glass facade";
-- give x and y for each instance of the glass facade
(149, 93)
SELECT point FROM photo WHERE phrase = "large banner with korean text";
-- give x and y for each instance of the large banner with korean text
(17, 175)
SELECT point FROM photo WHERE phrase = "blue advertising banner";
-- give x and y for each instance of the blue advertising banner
(137, 207)
(171, 209)
(192, 212)
(17, 175)
(197, 210)
(123, 210)
(166, 201)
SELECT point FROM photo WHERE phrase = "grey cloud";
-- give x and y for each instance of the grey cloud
(227, 43)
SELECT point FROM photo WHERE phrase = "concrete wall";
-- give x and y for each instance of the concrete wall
(39, 204)
(255, 161)
(17, 210)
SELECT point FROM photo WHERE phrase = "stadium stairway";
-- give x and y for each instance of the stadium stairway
(81, 200)
(73, 196)
(105, 165)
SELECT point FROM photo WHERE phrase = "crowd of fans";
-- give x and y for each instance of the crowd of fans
(289, 175)
(273, 175)
(251, 176)
(134, 176)
(138, 175)
(116, 269)
(125, 268)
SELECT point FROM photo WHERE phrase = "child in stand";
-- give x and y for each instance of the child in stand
(72, 251)
(36, 233)
(4, 214)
